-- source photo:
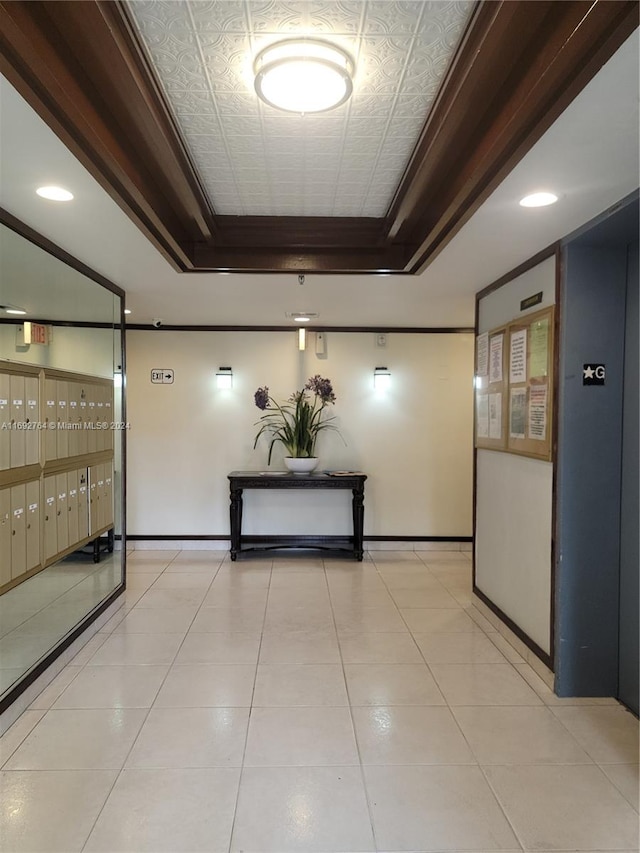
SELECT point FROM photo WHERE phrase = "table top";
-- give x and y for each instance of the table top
(288, 479)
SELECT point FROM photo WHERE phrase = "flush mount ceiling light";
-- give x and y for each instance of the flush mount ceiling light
(303, 75)
(54, 193)
(538, 200)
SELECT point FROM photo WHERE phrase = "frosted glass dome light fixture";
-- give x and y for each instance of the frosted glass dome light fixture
(303, 75)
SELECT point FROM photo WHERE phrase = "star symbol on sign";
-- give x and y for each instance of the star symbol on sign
(588, 372)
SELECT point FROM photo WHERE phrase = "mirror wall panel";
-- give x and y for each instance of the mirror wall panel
(61, 452)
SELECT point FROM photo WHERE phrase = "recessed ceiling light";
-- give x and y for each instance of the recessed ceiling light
(303, 75)
(14, 311)
(54, 193)
(127, 310)
(538, 200)
(301, 318)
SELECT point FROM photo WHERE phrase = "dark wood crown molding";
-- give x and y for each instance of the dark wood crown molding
(83, 69)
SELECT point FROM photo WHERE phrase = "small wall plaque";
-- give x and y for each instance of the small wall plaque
(593, 374)
(530, 301)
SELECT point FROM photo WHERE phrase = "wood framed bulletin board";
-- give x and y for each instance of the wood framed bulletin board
(514, 386)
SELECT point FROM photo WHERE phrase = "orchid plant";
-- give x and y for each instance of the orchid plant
(297, 423)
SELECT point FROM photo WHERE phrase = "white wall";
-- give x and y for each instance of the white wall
(514, 494)
(415, 442)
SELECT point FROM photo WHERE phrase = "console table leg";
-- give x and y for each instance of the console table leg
(235, 512)
(358, 524)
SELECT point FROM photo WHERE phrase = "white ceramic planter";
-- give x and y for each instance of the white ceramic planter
(300, 464)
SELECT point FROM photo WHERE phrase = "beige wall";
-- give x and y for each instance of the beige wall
(415, 442)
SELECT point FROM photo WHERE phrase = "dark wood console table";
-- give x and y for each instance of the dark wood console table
(240, 480)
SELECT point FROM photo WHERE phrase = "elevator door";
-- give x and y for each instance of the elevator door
(629, 510)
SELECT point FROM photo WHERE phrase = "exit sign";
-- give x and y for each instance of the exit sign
(38, 333)
(33, 333)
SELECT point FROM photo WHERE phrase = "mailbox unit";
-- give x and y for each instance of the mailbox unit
(56, 467)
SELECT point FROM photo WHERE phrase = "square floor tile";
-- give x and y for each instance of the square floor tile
(137, 649)
(508, 735)
(409, 735)
(307, 618)
(235, 647)
(608, 734)
(79, 740)
(302, 809)
(15, 734)
(483, 684)
(625, 778)
(113, 687)
(391, 684)
(52, 810)
(300, 647)
(168, 620)
(168, 599)
(207, 686)
(362, 597)
(166, 811)
(379, 648)
(457, 648)
(53, 690)
(431, 620)
(191, 737)
(299, 684)
(368, 619)
(182, 580)
(430, 598)
(242, 618)
(225, 595)
(436, 808)
(300, 736)
(564, 808)
(411, 580)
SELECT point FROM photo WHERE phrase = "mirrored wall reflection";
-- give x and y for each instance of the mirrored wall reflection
(61, 436)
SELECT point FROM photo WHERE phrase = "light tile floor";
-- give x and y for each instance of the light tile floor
(287, 703)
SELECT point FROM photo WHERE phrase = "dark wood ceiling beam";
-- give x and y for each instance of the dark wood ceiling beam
(520, 66)
(318, 260)
(80, 68)
(296, 232)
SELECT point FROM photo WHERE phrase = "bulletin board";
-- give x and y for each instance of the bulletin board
(491, 389)
(514, 386)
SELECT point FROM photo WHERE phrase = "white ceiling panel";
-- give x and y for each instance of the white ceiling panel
(253, 159)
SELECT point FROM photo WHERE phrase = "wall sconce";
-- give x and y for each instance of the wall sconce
(224, 377)
(302, 339)
(381, 378)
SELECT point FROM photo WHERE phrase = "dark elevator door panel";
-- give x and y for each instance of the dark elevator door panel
(629, 662)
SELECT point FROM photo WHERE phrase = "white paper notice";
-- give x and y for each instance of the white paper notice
(482, 354)
(538, 412)
(518, 357)
(517, 412)
(495, 358)
(495, 415)
(482, 415)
